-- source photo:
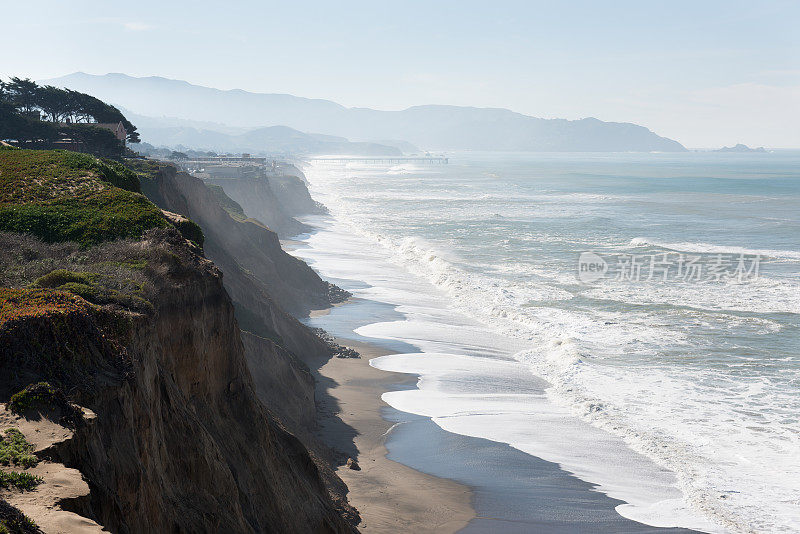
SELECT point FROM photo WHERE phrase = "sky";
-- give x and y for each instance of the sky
(705, 73)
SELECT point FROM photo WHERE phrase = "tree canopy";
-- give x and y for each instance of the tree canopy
(61, 105)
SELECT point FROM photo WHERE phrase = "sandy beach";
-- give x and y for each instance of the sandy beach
(389, 496)
(416, 476)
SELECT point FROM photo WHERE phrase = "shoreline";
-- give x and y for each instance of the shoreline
(511, 491)
(389, 496)
(417, 477)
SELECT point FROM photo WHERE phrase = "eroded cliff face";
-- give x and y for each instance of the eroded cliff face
(282, 382)
(244, 245)
(279, 349)
(181, 441)
(261, 201)
(276, 200)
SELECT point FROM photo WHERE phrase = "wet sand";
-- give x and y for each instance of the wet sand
(417, 477)
(390, 496)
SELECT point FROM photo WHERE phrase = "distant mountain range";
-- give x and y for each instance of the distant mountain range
(430, 127)
(273, 140)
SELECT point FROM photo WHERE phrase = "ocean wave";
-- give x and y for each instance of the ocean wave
(674, 417)
(763, 295)
(709, 248)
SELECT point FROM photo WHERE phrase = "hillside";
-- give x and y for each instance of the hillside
(139, 429)
(273, 140)
(429, 127)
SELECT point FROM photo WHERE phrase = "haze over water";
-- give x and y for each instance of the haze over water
(700, 376)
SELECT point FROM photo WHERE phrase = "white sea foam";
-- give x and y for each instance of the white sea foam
(531, 423)
(743, 479)
(592, 454)
(709, 248)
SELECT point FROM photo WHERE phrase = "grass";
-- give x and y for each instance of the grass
(15, 450)
(31, 175)
(133, 264)
(63, 196)
(105, 215)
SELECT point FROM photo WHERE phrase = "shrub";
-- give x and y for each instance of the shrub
(114, 272)
(21, 481)
(34, 396)
(97, 288)
(191, 230)
(59, 337)
(13, 521)
(18, 303)
(42, 396)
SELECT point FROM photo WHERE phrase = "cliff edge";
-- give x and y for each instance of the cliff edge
(112, 303)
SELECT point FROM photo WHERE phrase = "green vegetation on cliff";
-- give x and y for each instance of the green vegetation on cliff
(58, 337)
(21, 481)
(228, 204)
(33, 396)
(147, 171)
(40, 174)
(27, 303)
(98, 288)
(12, 521)
(65, 196)
(42, 397)
(15, 450)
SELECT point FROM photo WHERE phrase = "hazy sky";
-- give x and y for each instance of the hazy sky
(703, 73)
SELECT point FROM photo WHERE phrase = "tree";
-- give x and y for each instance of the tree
(21, 128)
(68, 114)
(55, 103)
(99, 141)
(21, 94)
(63, 105)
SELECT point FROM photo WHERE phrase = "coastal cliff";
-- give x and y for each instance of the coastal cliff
(245, 245)
(257, 198)
(264, 283)
(138, 329)
(274, 201)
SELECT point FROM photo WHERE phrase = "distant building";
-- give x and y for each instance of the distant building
(117, 129)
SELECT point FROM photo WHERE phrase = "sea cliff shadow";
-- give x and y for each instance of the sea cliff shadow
(341, 321)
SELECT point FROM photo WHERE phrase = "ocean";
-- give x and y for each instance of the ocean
(633, 318)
